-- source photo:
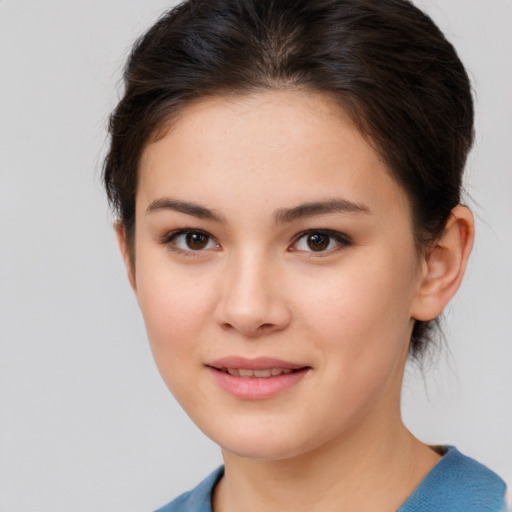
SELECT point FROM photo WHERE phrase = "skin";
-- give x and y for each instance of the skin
(334, 440)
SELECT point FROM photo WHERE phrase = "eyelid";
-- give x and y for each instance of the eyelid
(168, 239)
(342, 240)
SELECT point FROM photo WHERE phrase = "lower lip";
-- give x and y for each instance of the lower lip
(257, 388)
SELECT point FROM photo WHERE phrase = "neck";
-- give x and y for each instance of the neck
(349, 474)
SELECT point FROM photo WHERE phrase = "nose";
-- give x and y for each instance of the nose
(252, 298)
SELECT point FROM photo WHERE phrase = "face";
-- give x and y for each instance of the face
(276, 272)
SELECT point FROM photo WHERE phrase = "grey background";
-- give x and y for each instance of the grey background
(85, 422)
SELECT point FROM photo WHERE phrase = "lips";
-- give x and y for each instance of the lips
(263, 374)
(259, 363)
(256, 379)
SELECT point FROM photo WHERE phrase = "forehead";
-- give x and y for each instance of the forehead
(287, 145)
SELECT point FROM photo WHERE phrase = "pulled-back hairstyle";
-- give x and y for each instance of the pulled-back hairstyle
(385, 62)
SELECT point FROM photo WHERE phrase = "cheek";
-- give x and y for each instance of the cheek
(361, 326)
(176, 307)
(363, 307)
(170, 296)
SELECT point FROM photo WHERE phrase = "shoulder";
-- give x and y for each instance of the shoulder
(458, 483)
(198, 499)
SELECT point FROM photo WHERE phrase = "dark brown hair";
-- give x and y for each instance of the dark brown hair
(385, 62)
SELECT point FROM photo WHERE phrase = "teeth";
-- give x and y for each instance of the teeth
(264, 374)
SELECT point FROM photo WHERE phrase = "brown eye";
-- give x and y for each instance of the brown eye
(196, 240)
(318, 241)
(322, 241)
(190, 241)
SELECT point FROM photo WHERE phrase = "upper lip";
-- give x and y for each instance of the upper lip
(258, 363)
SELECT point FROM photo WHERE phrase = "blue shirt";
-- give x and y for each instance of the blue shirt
(455, 484)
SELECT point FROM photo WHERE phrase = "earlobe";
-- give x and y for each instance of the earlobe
(444, 265)
(126, 253)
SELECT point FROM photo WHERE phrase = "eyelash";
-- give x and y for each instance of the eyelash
(169, 240)
(339, 239)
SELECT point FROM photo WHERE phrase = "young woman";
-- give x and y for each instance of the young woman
(287, 176)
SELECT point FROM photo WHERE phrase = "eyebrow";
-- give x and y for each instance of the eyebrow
(284, 215)
(281, 216)
(195, 210)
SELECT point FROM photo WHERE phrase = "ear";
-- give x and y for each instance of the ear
(126, 253)
(444, 265)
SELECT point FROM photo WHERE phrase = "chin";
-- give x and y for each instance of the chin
(271, 443)
(262, 450)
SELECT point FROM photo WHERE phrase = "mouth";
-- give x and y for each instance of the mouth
(247, 373)
(256, 379)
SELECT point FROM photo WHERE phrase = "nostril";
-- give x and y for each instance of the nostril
(265, 327)
(252, 314)
(251, 332)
